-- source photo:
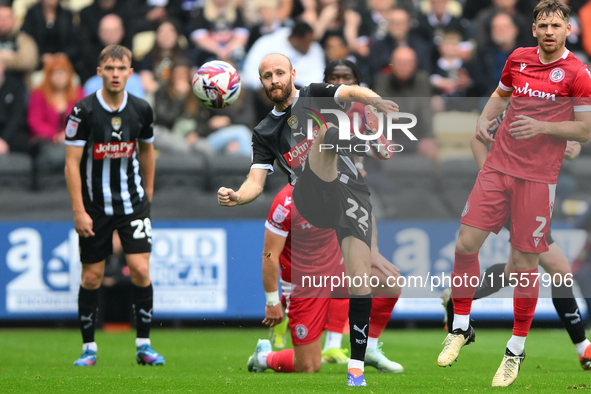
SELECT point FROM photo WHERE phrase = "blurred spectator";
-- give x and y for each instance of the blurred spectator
(297, 44)
(13, 135)
(472, 8)
(399, 34)
(523, 22)
(432, 25)
(451, 76)
(585, 18)
(154, 68)
(336, 48)
(219, 32)
(51, 27)
(491, 58)
(374, 19)
(178, 117)
(111, 32)
(573, 41)
(18, 51)
(250, 10)
(332, 17)
(91, 16)
(149, 14)
(53, 100)
(268, 21)
(230, 127)
(405, 80)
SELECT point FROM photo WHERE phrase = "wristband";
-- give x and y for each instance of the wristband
(359, 165)
(272, 298)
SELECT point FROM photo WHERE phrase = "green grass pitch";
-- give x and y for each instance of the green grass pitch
(213, 360)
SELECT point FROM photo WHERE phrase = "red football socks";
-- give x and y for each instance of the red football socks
(381, 311)
(338, 314)
(525, 299)
(464, 281)
(281, 361)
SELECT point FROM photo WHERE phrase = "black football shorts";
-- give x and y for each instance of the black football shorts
(135, 232)
(334, 205)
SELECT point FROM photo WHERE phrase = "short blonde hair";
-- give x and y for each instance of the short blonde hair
(118, 52)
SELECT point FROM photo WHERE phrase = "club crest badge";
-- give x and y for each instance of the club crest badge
(292, 122)
(301, 331)
(466, 209)
(116, 123)
(557, 74)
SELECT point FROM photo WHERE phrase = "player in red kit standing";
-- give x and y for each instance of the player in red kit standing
(550, 93)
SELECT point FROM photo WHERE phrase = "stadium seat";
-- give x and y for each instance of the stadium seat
(76, 5)
(406, 189)
(456, 181)
(48, 167)
(142, 43)
(179, 170)
(453, 131)
(188, 203)
(15, 172)
(51, 204)
(277, 180)
(229, 171)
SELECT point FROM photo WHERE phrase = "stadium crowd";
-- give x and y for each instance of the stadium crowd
(437, 49)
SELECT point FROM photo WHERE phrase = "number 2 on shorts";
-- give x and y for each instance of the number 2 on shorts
(538, 232)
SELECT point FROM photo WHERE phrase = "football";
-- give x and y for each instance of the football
(216, 84)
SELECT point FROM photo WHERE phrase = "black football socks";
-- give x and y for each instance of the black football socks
(87, 313)
(143, 302)
(359, 313)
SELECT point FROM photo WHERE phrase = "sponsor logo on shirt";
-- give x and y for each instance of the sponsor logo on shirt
(298, 154)
(113, 150)
(527, 91)
(522, 67)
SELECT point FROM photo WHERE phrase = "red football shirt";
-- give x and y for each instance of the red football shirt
(314, 251)
(546, 92)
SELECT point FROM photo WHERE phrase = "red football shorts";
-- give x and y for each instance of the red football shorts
(495, 196)
(307, 316)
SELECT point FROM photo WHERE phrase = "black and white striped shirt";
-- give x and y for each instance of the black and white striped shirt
(109, 169)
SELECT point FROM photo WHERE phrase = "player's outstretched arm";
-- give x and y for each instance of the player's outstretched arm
(147, 166)
(249, 191)
(496, 104)
(366, 96)
(82, 221)
(578, 130)
(274, 244)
